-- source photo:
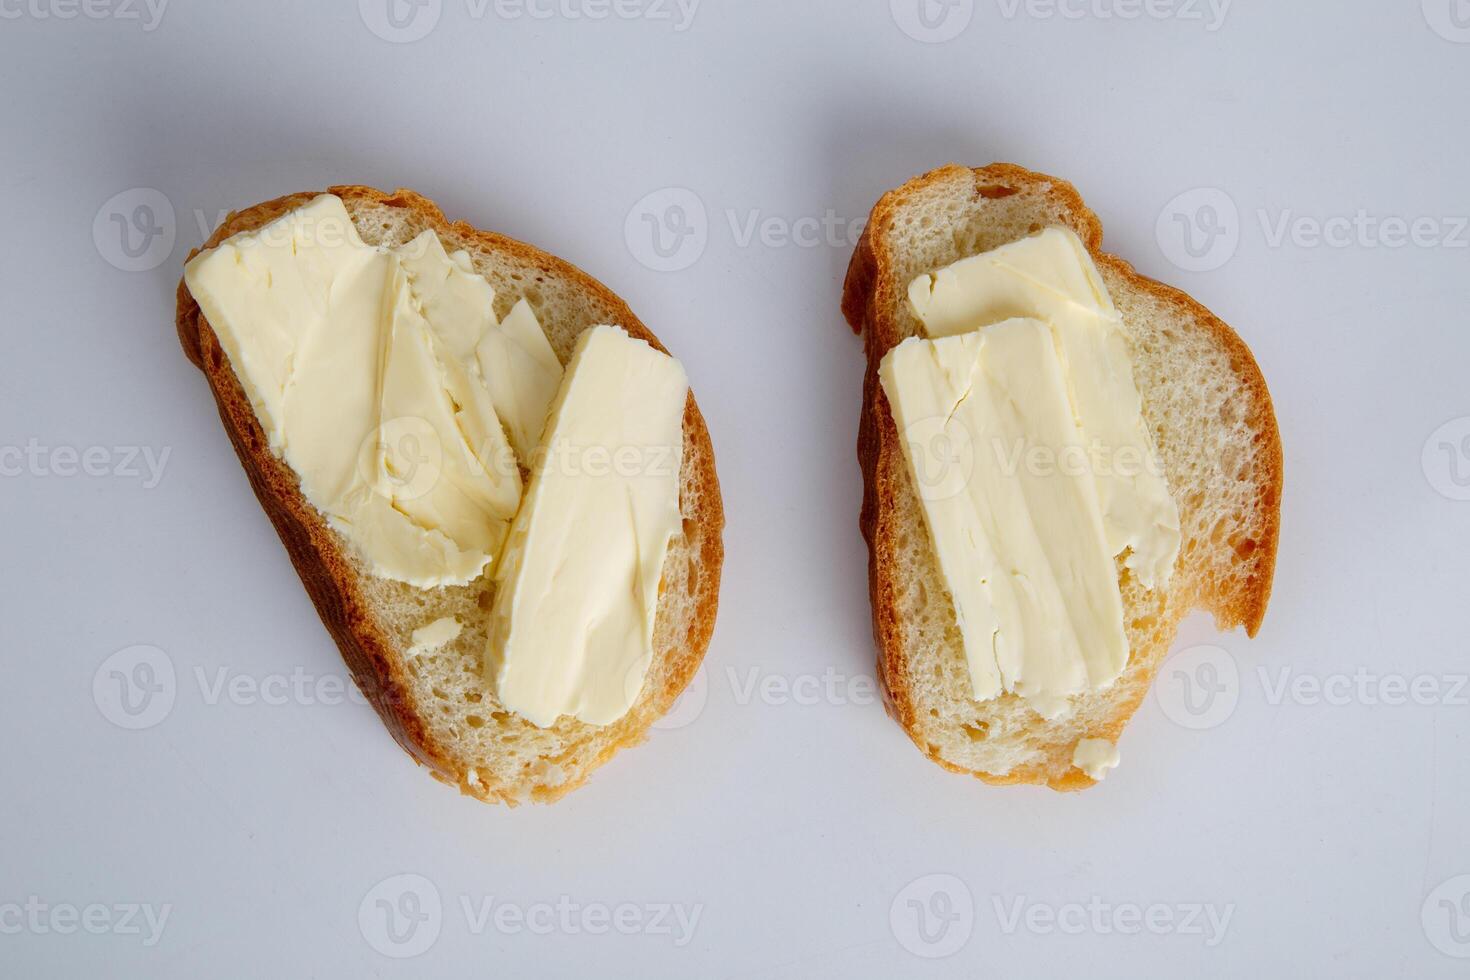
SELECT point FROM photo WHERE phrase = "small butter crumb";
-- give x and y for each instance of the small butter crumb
(427, 639)
(1095, 756)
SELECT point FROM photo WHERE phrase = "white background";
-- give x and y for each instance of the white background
(1330, 829)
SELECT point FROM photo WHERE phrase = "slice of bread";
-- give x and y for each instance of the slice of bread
(1204, 400)
(437, 704)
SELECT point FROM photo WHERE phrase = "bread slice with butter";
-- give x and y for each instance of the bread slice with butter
(418, 653)
(1211, 422)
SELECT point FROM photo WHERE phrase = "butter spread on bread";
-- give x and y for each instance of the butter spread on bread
(1051, 276)
(365, 391)
(516, 361)
(433, 698)
(571, 631)
(1206, 406)
(383, 377)
(1023, 430)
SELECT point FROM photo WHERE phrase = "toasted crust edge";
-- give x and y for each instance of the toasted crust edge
(331, 582)
(868, 292)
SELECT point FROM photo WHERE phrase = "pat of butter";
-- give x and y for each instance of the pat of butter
(359, 364)
(1051, 276)
(516, 360)
(1022, 548)
(571, 630)
(1095, 756)
(434, 636)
